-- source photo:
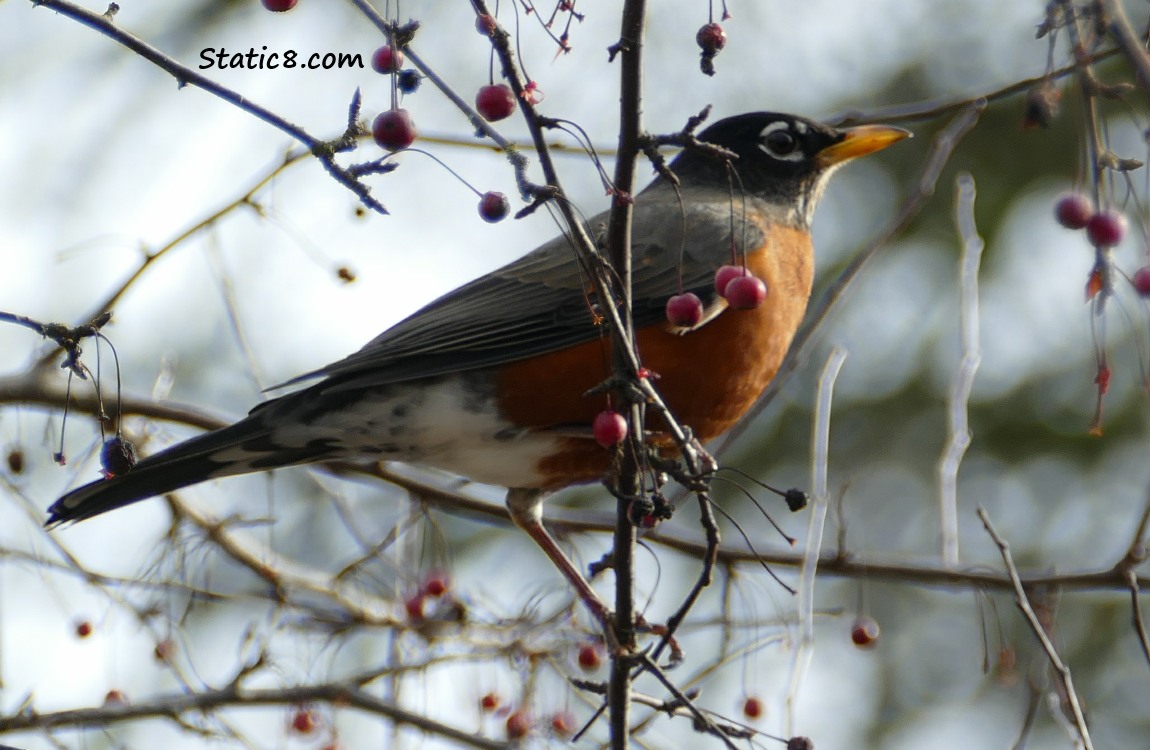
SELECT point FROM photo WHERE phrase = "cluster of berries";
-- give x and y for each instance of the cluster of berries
(394, 129)
(741, 288)
(1105, 228)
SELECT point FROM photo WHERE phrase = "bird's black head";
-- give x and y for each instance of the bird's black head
(784, 159)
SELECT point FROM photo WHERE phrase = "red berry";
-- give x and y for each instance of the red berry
(752, 708)
(1073, 210)
(386, 59)
(83, 629)
(393, 129)
(304, 721)
(685, 310)
(609, 428)
(726, 274)
(1106, 228)
(495, 102)
(164, 650)
(494, 207)
(518, 725)
(435, 585)
(115, 698)
(864, 631)
(279, 6)
(563, 723)
(711, 38)
(414, 608)
(1141, 281)
(746, 292)
(489, 702)
(589, 659)
(485, 24)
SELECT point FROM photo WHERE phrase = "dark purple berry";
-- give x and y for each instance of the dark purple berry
(394, 129)
(1141, 281)
(494, 207)
(1106, 228)
(684, 310)
(117, 457)
(726, 274)
(495, 102)
(711, 38)
(745, 292)
(1073, 210)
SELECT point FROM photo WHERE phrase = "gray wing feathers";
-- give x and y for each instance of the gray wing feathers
(538, 304)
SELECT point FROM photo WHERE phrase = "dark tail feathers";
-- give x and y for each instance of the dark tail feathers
(192, 461)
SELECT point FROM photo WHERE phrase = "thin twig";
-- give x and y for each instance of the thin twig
(66, 337)
(174, 705)
(919, 111)
(1132, 47)
(629, 477)
(1023, 602)
(702, 720)
(709, 554)
(323, 150)
(247, 198)
(519, 162)
(1135, 555)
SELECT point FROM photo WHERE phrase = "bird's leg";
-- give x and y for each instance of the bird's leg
(526, 510)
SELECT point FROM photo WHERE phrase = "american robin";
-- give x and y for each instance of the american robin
(488, 381)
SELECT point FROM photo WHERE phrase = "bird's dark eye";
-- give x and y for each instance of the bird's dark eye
(780, 142)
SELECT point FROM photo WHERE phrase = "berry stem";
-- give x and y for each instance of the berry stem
(443, 164)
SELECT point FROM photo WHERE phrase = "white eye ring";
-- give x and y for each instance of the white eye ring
(793, 153)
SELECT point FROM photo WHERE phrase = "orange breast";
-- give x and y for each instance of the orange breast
(709, 377)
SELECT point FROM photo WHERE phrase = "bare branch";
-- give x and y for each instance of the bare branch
(174, 706)
(323, 150)
(1133, 47)
(1032, 620)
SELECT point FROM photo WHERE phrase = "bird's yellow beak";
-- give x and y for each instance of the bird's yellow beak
(860, 141)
